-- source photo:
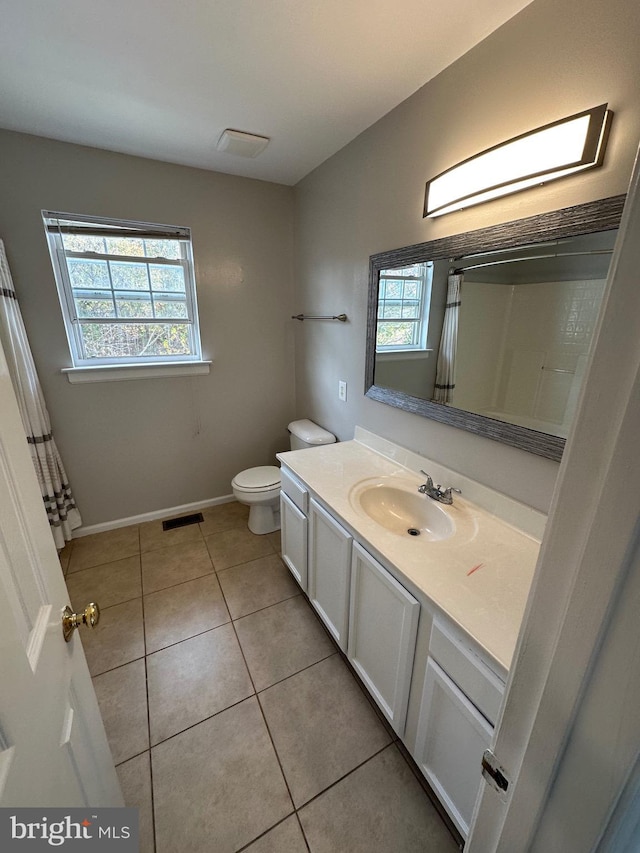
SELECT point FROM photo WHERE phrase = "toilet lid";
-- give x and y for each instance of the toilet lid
(262, 477)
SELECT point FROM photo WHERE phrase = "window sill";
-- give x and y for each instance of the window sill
(120, 372)
(402, 354)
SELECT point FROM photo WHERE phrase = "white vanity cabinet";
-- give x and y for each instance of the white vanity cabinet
(460, 702)
(383, 624)
(329, 571)
(294, 499)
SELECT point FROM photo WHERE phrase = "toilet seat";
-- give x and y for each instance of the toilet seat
(260, 479)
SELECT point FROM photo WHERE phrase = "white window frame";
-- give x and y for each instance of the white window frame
(421, 322)
(72, 322)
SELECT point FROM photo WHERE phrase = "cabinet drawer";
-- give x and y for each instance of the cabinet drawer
(472, 675)
(294, 490)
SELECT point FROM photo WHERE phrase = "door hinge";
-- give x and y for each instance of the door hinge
(493, 773)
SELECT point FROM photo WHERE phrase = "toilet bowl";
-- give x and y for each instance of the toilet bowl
(259, 487)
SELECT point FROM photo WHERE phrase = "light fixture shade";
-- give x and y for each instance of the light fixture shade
(570, 145)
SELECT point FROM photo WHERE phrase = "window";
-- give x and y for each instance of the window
(404, 296)
(126, 289)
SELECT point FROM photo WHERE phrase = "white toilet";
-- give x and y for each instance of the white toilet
(259, 487)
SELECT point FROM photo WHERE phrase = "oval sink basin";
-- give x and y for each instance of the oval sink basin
(403, 512)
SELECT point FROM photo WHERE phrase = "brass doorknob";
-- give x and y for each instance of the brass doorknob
(70, 621)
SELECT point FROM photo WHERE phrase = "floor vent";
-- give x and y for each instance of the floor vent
(182, 521)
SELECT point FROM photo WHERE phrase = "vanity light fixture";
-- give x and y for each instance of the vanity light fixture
(572, 144)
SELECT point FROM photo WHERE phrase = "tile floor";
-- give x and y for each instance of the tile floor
(234, 722)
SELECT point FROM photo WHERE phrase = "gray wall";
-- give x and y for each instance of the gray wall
(138, 446)
(551, 60)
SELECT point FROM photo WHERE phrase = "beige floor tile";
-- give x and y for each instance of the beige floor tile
(122, 696)
(379, 807)
(183, 611)
(239, 545)
(117, 639)
(104, 547)
(286, 837)
(276, 541)
(152, 536)
(322, 726)
(135, 780)
(256, 584)
(64, 555)
(194, 679)
(224, 517)
(218, 785)
(109, 584)
(173, 565)
(281, 640)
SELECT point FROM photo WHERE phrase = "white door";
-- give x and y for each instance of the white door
(53, 747)
(587, 553)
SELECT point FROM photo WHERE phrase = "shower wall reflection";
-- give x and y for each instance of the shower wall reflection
(525, 326)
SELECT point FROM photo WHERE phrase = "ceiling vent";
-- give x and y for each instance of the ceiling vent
(242, 144)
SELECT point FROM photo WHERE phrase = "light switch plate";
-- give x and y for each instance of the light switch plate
(342, 390)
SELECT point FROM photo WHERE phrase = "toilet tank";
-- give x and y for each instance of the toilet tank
(305, 433)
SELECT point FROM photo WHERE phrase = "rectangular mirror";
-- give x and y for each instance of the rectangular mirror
(490, 331)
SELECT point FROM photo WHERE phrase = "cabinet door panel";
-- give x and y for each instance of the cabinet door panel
(294, 539)
(329, 571)
(452, 736)
(383, 623)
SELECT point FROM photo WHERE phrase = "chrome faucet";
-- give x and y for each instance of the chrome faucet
(436, 492)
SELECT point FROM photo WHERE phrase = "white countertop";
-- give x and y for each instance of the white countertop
(479, 578)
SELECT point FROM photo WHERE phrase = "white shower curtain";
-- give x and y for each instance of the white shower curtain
(445, 367)
(60, 506)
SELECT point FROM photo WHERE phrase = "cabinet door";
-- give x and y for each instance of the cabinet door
(383, 623)
(452, 736)
(329, 570)
(293, 524)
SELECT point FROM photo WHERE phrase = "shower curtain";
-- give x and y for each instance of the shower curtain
(445, 367)
(60, 506)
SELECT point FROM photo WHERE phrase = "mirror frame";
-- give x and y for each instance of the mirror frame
(601, 215)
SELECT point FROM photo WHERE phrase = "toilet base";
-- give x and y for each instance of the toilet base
(264, 519)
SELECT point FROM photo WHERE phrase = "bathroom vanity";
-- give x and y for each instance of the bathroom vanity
(425, 600)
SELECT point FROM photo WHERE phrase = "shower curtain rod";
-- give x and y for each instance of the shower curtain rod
(531, 258)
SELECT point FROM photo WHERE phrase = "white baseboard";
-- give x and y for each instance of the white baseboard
(184, 509)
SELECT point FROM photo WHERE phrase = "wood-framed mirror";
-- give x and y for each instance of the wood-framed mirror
(523, 314)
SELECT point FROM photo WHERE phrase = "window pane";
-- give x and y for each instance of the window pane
(390, 310)
(170, 308)
(122, 340)
(166, 278)
(79, 243)
(92, 307)
(394, 290)
(128, 276)
(88, 275)
(411, 310)
(395, 334)
(125, 246)
(163, 249)
(411, 290)
(132, 305)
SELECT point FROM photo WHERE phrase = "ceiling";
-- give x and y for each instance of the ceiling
(163, 78)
